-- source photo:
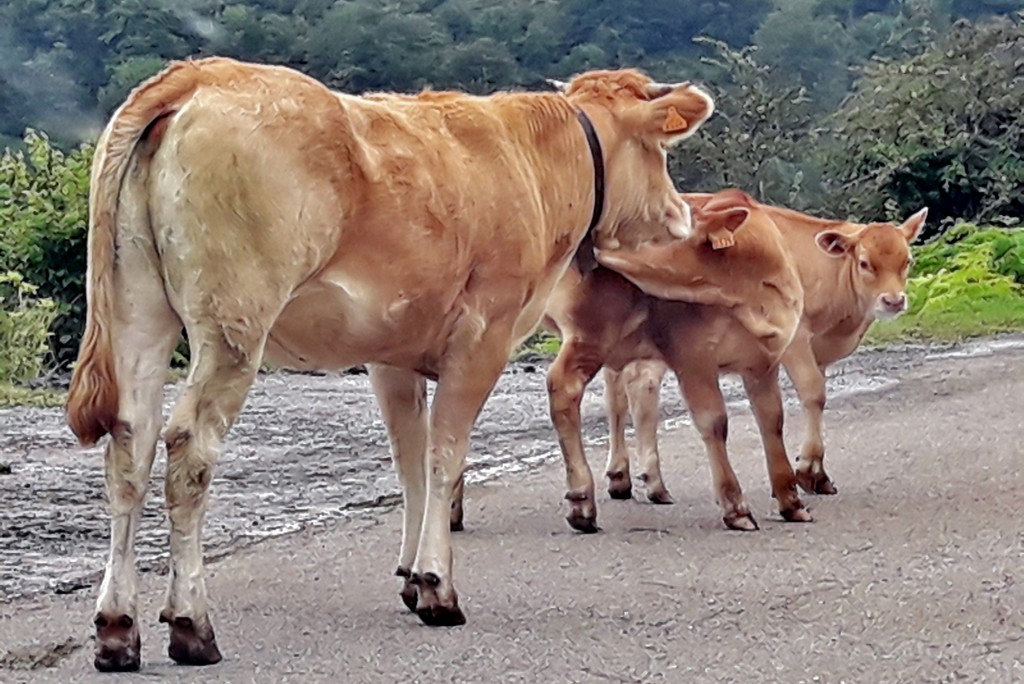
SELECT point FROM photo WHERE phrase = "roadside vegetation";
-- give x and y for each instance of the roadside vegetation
(868, 109)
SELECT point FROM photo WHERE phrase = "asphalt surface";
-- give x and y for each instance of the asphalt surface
(914, 572)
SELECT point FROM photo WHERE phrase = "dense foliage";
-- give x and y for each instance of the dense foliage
(867, 109)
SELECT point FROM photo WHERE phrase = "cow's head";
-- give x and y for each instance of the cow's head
(879, 260)
(637, 120)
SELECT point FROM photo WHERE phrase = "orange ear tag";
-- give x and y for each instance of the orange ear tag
(674, 122)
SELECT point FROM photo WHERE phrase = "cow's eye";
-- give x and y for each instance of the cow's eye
(865, 265)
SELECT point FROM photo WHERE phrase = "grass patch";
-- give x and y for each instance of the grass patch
(13, 396)
(969, 283)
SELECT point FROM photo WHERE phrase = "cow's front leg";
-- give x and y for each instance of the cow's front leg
(402, 397)
(809, 381)
(467, 377)
(576, 365)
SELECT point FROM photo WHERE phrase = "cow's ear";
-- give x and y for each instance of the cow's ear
(675, 112)
(911, 228)
(833, 243)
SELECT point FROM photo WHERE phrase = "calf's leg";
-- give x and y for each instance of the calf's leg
(766, 401)
(575, 366)
(643, 390)
(809, 380)
(616, 407)
(704, 397)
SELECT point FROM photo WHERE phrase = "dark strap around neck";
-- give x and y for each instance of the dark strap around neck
(585, 253)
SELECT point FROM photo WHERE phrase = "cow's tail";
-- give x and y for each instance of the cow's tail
(92, 404)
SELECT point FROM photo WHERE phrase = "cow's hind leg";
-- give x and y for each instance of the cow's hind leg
(643, 392)
(402, 396)
(476, 354)
(616, 407)
(145, 330)
(704, 397)
(766, 402)
(225, 358)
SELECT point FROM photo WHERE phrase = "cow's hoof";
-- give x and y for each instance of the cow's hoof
(409, 593)
(456, 526)
(744, 522)
(191, 643)
(815, 482)
(619, 486)
(660, 496)
(433, 610)
(118, 644)
(796, 513)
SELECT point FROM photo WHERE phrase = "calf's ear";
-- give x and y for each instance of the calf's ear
(833, 243)
(911, 228)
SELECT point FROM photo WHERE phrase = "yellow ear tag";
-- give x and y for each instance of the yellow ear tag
(674, 122)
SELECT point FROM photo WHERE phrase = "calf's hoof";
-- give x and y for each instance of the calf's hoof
(118, 644)
(744, 522)
(409, 593)
(619, 486)
(815, 482)
(191, 643)
(435, 609)
(582, 513)
(660, 495)
(581, 522)
(796, 513)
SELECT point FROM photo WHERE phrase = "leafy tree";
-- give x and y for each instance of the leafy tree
(759, 138)
(944, 129)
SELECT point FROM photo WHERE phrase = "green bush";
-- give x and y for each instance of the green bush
(44, 215)
(25, 322)
(942, 129)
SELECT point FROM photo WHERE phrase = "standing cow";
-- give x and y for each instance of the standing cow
(852, 274)
(273, 218)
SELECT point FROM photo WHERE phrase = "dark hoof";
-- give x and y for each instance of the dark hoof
(456, 526)
(118, 644)
(619, 486)
(660, 496)
(815, 483)
(442, 616)
(583, 523)
(191, 644)
(433, 611)
(796, 513)
(409, 593)
(743, 523)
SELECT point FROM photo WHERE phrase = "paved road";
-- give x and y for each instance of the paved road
(913, 573)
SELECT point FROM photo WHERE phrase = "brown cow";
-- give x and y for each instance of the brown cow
(852, 274)
(271, 217)
(742, 308)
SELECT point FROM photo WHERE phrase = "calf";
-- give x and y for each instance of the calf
(742, 307)
(852, 274)
(271, 217)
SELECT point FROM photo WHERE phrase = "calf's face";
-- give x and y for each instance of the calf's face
(879, 255)
(638, 120)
